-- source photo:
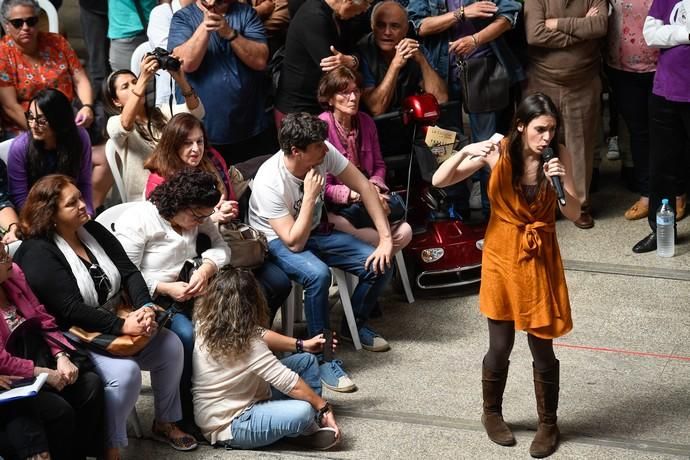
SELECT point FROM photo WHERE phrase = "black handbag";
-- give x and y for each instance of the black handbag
(358, 216)
(485, 84)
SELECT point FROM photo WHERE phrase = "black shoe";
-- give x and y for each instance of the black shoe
(646, 244)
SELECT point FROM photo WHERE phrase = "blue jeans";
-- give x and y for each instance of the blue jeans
(310, 268)
(269, 421)
(276, 287)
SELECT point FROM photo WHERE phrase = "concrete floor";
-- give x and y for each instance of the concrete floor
(625, 383)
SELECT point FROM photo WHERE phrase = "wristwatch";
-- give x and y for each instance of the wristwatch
(323, 411)
(233, 35)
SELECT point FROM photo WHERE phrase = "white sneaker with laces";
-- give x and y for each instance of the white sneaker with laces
(613, 152)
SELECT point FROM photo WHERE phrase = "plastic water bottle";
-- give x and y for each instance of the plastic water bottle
(665, 244)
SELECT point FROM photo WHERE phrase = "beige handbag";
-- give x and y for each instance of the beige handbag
(248, 246)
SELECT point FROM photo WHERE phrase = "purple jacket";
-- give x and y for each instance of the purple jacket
(19, 294)
(19, 177)
(370, 160)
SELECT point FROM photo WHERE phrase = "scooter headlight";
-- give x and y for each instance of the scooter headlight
(432, 254)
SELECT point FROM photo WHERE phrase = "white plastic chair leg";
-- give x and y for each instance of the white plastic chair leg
(291, 305)
(136, 424)
(402, 272)
(340, 277)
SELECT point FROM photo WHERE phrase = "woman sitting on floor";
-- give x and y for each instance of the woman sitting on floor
(235, 370)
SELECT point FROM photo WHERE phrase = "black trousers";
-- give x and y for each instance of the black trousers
(632, 92)
(68, 424)
(670, 146)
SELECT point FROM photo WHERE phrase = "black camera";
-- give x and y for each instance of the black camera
(165, 60)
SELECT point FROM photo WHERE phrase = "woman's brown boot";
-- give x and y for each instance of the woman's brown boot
(493, 384)
(546, 390)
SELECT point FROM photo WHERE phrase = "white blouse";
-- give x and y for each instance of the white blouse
(158, 250)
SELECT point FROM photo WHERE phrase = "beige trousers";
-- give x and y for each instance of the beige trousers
(580, 107)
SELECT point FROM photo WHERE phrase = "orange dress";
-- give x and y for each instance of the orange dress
(522, 272)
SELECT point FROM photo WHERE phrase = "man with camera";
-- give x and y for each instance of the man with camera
(222, 45)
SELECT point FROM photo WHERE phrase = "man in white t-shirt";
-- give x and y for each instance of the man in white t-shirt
(287, 205)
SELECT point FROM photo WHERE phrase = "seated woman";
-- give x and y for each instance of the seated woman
(136, 128)
(183, 145)
(353, 133)
(75, 265)
(66, 414)
(159, 235)
(235, 368)
(53, 145)
(31, 61)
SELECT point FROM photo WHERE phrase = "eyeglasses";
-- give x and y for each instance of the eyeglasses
(40, 120)
(19, 22)
(99, 277)
(199, 217)
(5, 256)
(349, 92)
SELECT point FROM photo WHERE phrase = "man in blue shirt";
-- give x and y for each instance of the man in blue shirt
(223, 47)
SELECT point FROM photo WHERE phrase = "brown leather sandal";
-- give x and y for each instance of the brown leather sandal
(164, 434)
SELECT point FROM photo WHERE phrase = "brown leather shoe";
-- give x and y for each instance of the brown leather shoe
(585, 220)
(639, 210)
(680, 207)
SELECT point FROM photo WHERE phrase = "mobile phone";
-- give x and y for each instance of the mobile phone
(23, 382)
(328, 346)
(496, 138)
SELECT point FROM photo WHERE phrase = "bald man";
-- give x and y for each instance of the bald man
(393, 66)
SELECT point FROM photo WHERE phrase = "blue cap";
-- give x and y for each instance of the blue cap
(664, 201)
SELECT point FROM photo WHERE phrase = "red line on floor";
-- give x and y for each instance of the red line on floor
(625, 352)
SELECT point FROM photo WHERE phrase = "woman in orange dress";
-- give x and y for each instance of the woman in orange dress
(523, 283)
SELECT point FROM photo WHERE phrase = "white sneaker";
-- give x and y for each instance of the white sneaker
(613, 152)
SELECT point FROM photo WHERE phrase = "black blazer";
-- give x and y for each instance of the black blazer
(53, 282)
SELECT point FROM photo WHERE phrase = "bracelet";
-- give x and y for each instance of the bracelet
(459, 14)
(233, 35)
(90, 106)
(323, 411)
(476, 42)
(190, 93)
(59, 354)
(137, 94)
(299, 345)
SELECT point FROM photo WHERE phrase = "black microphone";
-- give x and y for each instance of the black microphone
(547, 155)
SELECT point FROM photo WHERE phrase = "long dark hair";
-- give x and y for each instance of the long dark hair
(155, 116)
(58, 111)
(531, 107)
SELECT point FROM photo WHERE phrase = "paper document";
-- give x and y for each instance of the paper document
(25, 391)
(441, 142)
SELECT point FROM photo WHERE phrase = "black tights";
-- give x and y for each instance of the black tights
(501, 340)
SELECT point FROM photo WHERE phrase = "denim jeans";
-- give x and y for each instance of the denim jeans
(269, 421)
(310, 268)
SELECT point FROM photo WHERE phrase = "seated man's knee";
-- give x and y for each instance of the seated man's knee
(318, 277)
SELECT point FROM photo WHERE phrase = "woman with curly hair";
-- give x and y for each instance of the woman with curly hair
(183, 144)
(75, 266)
(159, 236)
(54, 144)
(134, 126)
(236, 373)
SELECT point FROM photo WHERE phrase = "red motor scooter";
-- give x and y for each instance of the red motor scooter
(445, 250)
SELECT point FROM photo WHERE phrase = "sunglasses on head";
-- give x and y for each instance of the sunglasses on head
(19, 22)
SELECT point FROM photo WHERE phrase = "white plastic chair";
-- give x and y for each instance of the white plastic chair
(138, 55)
(5, 149)
(402, 272)
(108, 217)
(112, 157)
(295, 302)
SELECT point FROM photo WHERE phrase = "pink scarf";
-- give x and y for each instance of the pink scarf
(349, 139)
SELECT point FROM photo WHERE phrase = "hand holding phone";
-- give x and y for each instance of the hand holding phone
(328, 346)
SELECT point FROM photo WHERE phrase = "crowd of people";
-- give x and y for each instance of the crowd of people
(287, 91)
